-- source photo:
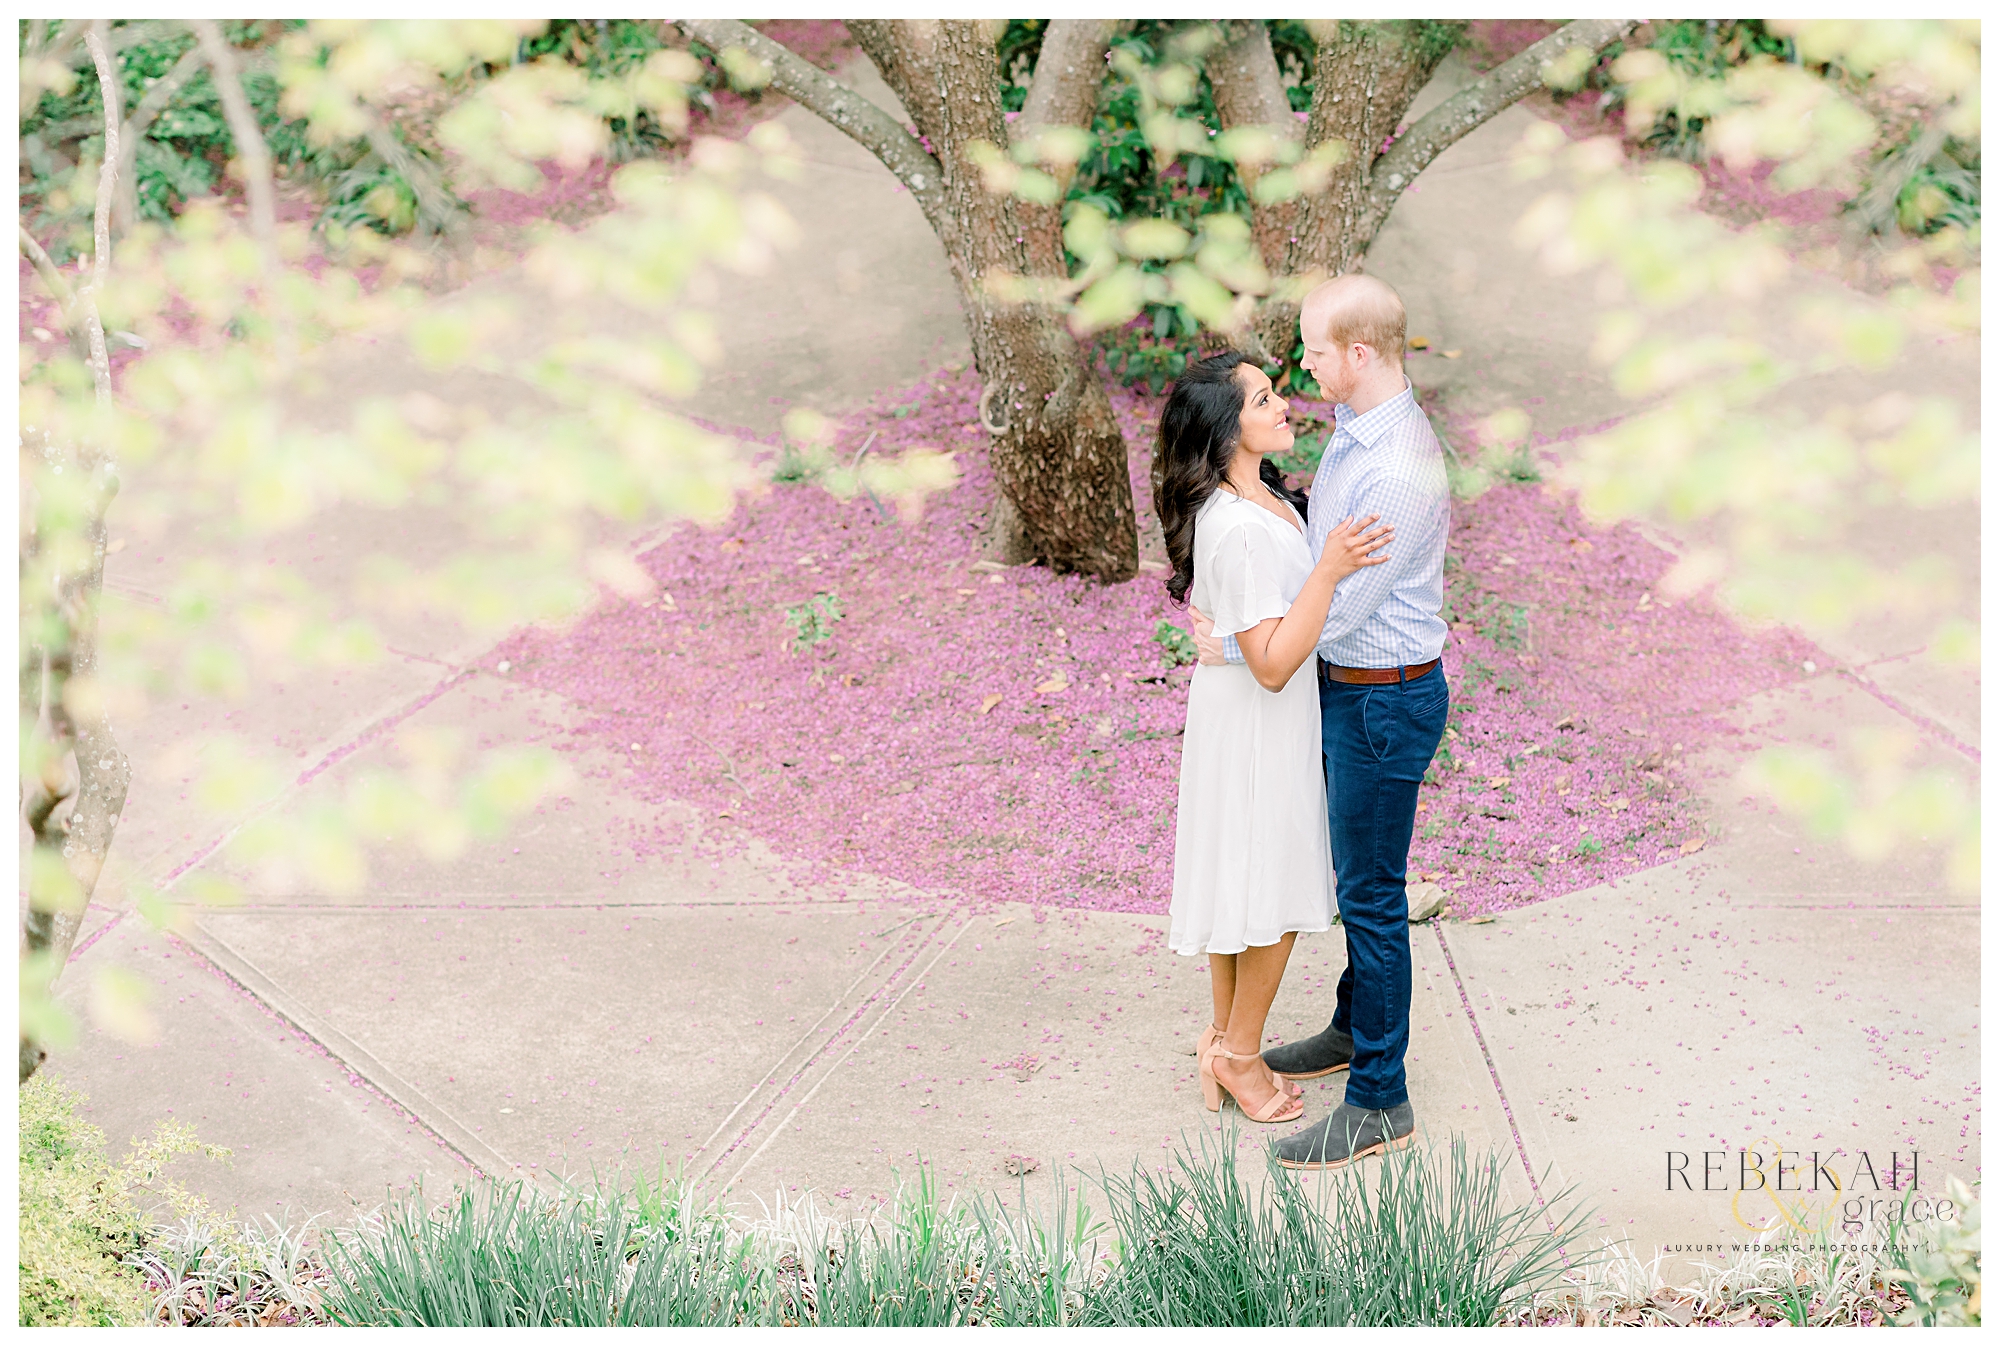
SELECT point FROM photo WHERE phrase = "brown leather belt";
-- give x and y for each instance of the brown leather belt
(1375, 676)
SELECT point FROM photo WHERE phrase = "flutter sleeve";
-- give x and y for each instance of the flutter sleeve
(1243, 583)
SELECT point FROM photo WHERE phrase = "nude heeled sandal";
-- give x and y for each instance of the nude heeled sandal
(1279, 1107)
(1211, 1038)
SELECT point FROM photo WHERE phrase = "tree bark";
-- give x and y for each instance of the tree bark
(1250, 92)
(251, 150)
(1069, 74)
(1366, 76)
(1055, 447)
(101, 774)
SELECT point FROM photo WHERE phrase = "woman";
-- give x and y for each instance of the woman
(1252, 867)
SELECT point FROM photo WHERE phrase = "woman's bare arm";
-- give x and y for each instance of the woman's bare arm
(1275, 648)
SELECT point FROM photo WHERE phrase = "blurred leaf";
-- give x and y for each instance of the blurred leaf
(119, 1004)
(42, 1019)
(1113, 300)
(1158, 240)
(745, 71)
(512, 781)
(1955, 644)
(233, 780)
(51, 887)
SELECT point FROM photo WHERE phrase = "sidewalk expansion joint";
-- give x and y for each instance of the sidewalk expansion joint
(794, 1067)
(1479, 1036)
(790, 904)
(362, 1065)
(855, 1046)
(1943, 908)
(1922, 721)
(332, 757)
(802, 1044)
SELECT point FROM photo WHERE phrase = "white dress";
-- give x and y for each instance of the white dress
(1251, 856)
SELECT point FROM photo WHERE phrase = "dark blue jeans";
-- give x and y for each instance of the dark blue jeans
(1378, 742)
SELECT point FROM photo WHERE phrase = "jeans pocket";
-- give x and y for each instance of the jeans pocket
(1378, 724)
(1430, 700)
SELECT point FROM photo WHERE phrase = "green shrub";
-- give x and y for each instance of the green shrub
(1418, 1238)
(1175, 644)
(1422, 1236)
(184, 149)
(510, 1256)
(1147, 355)
(85, 1232)
(78, 1219)
(1943, 191)
(1941, 1275)
(1705, 49)
(812, 621)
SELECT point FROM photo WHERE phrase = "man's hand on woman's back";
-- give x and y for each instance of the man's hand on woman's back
(1208, 645)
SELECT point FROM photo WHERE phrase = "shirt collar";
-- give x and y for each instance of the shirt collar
(1368, 426)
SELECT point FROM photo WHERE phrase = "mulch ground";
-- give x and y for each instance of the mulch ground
(1013, 735)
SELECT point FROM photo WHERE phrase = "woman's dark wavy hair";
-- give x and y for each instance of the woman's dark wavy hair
(1199, 428)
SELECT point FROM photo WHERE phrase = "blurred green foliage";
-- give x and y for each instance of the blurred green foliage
(1941, 192)
(187, 146)
(614, 47)
(1706, 48)
(78, 1219)
(1121, 178)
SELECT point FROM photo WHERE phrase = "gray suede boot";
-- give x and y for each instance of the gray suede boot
(1309, 1058)
(1348, 1134)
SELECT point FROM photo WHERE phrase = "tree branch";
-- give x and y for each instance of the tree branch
(45, 267)
(243, 129)
(826, 97)
(434, 204)
(1874, 211)
(1249, 91)
(1448, 122)
(102, 772)
(1069, 74)
(107, 185)
(885, 42)
(58, 285)
(1064, 91)
(144, 112)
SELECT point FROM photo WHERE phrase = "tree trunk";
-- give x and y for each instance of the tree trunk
(1366, 75)
(1249, 92)
(76, 756)
(1064, 91)
(1056, 451)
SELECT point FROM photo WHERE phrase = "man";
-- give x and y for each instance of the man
(1383, 703)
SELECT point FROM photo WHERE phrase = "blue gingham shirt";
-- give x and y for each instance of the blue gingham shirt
(1384, 461)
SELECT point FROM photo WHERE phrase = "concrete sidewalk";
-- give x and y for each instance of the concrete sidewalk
(555, 1003)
